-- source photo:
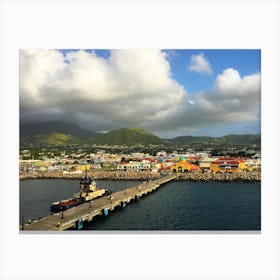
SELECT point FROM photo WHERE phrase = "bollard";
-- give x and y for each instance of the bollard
(22, 222)
(105, 212)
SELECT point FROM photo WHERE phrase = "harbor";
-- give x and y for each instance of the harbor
(75, 217)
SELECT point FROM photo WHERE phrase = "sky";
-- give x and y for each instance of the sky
(168, 92)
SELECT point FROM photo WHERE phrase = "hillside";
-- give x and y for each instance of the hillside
(55, 133)
(61, 133)
(228, 139)
(128, 136)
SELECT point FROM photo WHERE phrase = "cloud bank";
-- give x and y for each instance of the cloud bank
(128, 89)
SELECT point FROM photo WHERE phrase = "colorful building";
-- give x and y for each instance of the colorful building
(227, 164)
(253, 165)
(205, 163)
(184, 166)
(83, 167)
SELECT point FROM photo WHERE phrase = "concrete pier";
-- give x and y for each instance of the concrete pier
(76, 216)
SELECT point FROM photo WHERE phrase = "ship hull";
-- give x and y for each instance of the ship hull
(70, 203)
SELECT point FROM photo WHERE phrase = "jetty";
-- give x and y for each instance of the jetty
(74, 218)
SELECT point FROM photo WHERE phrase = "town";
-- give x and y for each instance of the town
(116, 162)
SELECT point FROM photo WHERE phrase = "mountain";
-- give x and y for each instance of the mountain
(128, 136)
(228, 139)
(55, 132)
(62, 133)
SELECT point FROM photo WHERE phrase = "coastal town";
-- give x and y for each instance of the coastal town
(104, 164)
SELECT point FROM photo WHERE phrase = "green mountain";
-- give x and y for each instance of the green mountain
(62, 133)
(128, 136)
(228, 139)
(55, 133)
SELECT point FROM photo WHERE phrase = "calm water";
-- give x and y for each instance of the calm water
(175, 206)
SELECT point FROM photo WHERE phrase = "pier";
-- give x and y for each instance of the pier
(75, 217)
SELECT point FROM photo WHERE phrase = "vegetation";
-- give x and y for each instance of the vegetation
(45, 128)
(60, 133)
(224, 140)
(129, 137)
(55, 133)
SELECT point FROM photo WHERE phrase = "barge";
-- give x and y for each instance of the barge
(88, 192)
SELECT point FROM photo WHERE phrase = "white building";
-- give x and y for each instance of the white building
(161, 153)
(253, 164)
(205, 162)
(135, 166)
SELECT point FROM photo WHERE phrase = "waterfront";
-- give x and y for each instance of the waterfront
(175, 206)
(248, 177)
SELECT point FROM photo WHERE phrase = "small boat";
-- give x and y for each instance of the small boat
(88, 192)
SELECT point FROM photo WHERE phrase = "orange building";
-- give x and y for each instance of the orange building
(184, 166)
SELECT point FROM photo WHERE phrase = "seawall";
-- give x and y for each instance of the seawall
(143, 176)
(241, 177)
(98, 175)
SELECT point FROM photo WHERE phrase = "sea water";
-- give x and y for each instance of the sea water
(178, 205)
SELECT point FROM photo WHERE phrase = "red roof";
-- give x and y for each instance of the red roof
(228, 160)
(150, 159)
(165, 168)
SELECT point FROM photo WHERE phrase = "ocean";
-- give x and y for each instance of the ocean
(178, 205)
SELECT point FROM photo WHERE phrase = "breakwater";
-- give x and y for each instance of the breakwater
(240, 177)
(143, 176)
(98, 175)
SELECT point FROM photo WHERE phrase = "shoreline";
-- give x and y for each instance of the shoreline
(240, 177)
(97, 175)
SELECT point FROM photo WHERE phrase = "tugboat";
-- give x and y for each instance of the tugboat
(88, 192)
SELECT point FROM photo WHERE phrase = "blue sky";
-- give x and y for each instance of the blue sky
(245, 61)
(168, 92)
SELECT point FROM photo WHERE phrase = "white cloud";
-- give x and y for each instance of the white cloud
(232, 98)
(128, 89)
(200, 64)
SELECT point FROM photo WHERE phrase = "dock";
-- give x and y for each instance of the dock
(75, 217)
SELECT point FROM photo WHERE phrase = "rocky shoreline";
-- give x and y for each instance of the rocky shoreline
(98, 175)
(240, 177)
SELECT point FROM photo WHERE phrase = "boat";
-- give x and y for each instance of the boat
(88, 192)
